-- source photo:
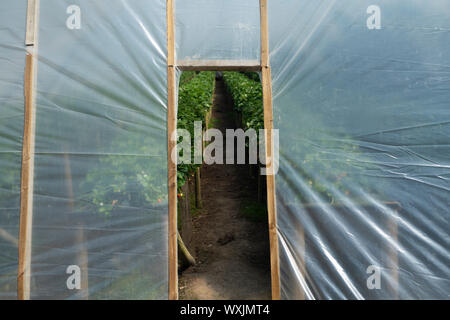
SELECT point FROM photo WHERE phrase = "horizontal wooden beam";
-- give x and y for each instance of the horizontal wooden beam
(219, 65)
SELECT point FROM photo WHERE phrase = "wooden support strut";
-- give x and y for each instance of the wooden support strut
(198, 189)
(219, 65)
(264, 67)
(26, 189)
(172, 164)
(26, 202)
(268, 125)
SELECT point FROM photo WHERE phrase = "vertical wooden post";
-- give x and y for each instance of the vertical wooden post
(26, 188)
(198, 189)
(172, 165)
(301, 247)
(392, 229)
(268, 125)
(80, 238)
(260, 186)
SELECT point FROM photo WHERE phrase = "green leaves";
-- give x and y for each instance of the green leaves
(128, 181)
(247, 97)
(195, 98)
(328, 165)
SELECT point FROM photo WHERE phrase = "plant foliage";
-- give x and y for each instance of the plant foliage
(247, 98)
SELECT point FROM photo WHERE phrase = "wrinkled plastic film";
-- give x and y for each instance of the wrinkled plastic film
(360, 94)
(100, 193)
(364, 121)
(217, 30)
(12, 66)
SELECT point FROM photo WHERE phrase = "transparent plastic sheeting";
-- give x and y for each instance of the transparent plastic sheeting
(100, 180)
(12, 66)
(217, 30)
(362, 102)
(100, 185)
(361, 99)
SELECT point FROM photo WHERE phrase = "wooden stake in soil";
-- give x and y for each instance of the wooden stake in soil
(186, 255)
(172, 165)
(26, 187)
(268, 125)
(198, 189)
(80, 237)
(392, 228)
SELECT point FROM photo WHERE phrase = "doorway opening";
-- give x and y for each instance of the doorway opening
(223, 243)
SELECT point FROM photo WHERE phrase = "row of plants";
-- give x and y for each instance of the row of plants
(253, 76)
(117, 182)
(195, 99)
(328, 165)
(247, 98)
(187, 76)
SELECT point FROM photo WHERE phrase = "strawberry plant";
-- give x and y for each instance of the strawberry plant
(141, 181)
(327, 166)
(195, 97)
(247, 98)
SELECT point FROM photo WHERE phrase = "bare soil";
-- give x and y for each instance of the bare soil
(232, 251)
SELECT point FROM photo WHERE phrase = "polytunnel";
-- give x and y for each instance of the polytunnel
(358, 91)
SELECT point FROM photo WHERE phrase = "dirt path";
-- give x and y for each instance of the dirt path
(232, 251)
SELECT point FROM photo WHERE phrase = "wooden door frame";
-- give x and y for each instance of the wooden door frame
(262, 66)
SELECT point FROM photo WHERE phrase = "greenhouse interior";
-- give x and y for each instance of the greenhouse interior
(357, 199)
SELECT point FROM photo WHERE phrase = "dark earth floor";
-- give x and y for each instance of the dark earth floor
(231, 249)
